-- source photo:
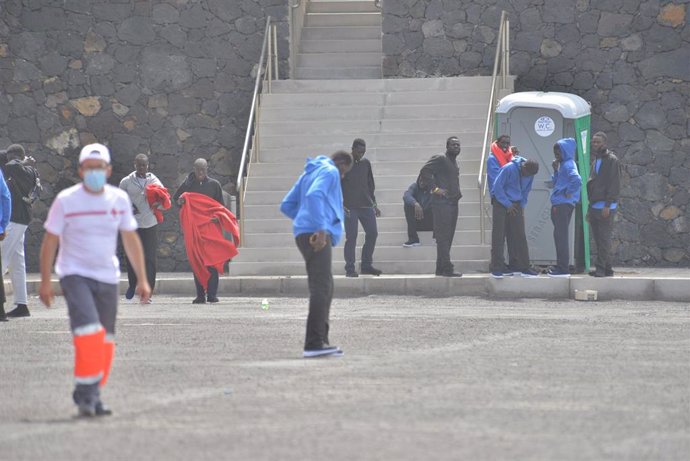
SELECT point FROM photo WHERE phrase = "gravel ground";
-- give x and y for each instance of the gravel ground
(422, 378)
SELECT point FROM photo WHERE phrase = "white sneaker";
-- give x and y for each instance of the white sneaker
(332, 351)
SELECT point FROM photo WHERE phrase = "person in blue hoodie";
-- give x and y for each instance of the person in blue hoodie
(564, 196)
(315, 205)
(510, 189)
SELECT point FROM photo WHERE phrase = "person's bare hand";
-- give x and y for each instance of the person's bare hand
(513, 209)
(377, 212)
(418, 212)
(3, 235)
(441, 192)
(29, 160)
(180, 201)
(514, 150)
(144, 291)
(318, 240)
(45, 293)
(555, 164)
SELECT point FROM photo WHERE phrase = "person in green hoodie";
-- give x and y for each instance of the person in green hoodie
(564, 196)
(315, 205)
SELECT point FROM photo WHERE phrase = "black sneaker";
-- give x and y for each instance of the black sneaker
(597, 273)
(371, 271)
(325, 351)
(199, 301)
(213, 300)
(449, 274)
(412, 244)
(20, 311)
(130, 293)
(351, 274)
(103, 410)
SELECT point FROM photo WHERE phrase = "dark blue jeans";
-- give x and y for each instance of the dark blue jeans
(366, 216)
(560, 217)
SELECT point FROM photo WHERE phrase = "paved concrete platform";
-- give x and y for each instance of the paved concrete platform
(422, 378)
(642, 284)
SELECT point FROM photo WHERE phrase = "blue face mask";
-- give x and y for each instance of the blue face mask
(94, 180)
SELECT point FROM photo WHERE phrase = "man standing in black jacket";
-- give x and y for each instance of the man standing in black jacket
(442, 175)
(21, 179)
(360, 207)
(603, 189)
(199, 182)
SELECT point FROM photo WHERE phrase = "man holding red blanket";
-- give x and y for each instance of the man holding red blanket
(203, 219)
(138, 185)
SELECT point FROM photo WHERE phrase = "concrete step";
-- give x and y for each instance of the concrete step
(388, 210)
(365, 128)
(347, 59)
(414, 112)
(342, 6)
(383, 182)
(329, 143)
(284, 225)
(342, 33)
(471, 151)
(394, 85)
(392, 167)
(401, 98)
(393, 239)
(287, 268)
(339, 72)
(383, 253)
(341, 46)
(342, 19)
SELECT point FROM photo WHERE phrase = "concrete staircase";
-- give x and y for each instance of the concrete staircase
(341, 39)
(404, 122)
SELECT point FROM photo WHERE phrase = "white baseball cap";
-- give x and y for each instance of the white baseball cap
(94, 151)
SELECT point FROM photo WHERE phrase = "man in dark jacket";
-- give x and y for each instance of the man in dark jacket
(603, 189)
(199, 182)
(564, 196)
(442, 175)
(21, 179)
(418, 214)
(360, 207)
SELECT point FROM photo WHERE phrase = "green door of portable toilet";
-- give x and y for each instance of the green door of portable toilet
(535, 120)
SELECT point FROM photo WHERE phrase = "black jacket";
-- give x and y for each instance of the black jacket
(442, 172)
(358, 186)
(209, 187)
(605, 186)
(21, 180)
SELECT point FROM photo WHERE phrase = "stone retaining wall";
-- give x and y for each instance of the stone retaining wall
(629, 58)
(172, 79)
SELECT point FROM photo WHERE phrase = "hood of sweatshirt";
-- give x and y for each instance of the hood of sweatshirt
(567, 146)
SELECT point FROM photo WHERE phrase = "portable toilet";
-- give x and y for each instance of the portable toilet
(535, 120)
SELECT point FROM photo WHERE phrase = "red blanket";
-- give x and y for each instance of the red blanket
(158, 194)
(204, 240)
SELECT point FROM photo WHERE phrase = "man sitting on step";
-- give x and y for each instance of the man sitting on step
(418, 214)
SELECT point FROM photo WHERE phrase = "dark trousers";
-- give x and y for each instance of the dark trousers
(560, 217)
(149, 240)
(498, 238)
(414, 225)
(601, 231)
(212, 285)
(517, 240)
(445, 221)
(320, 281)
(366, 216)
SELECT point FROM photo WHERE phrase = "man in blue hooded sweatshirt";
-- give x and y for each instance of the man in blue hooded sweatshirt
(564, 196)
(315, 205)
(510, 189)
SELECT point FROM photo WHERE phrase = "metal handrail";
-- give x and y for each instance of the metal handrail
(265, 56)
(501, 59)
(297, 12)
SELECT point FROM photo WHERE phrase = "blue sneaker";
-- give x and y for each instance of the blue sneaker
(529, 273)
(130, 293)
(498, 274)
(554, 272)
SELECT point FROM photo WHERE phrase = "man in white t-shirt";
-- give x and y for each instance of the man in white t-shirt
(84, 221)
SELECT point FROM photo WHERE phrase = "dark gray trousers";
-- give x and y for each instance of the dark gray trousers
(149, 241)
(413, 225)
(560, 217)
(320, 280)
(517, 241)
(366, 216)
(601, 231)
(212, 285)
(445, 222)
